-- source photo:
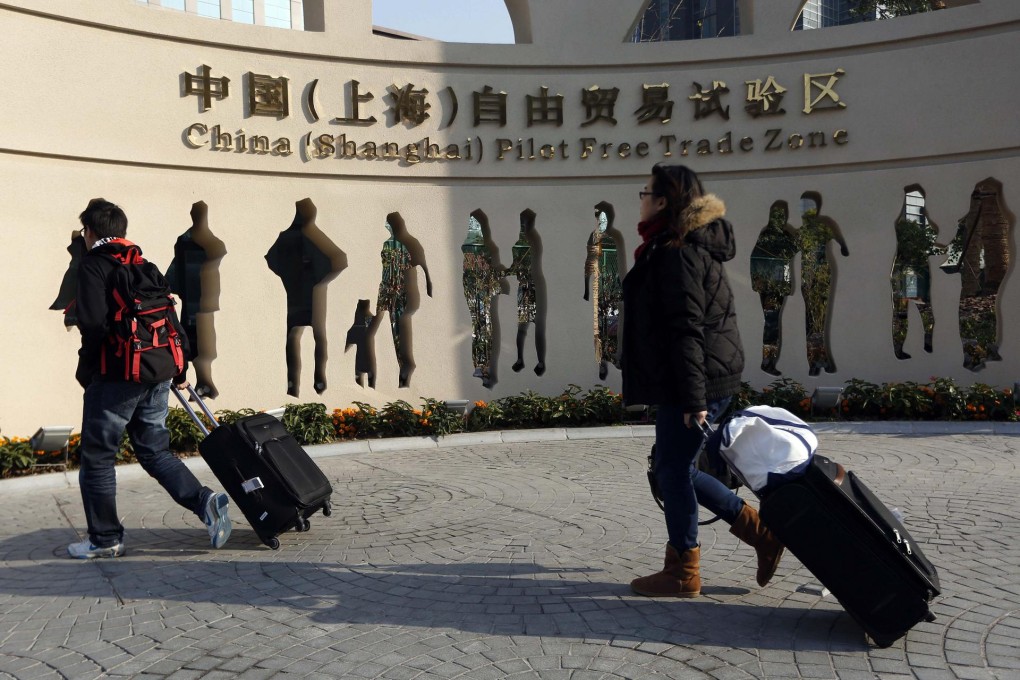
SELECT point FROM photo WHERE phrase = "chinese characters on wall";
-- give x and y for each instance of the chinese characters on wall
(594, 110)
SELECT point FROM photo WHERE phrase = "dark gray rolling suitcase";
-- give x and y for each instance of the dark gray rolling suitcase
(832, 522)
(264, 470)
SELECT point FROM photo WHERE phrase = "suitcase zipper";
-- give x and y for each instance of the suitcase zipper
(900, 541)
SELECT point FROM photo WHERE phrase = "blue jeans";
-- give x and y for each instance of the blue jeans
(681, 485)
(111, 408)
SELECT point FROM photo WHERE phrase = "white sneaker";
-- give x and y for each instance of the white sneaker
(216, 519)
(85, 550)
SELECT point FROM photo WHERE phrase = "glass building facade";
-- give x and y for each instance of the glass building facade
(688, 20)
(825, 13)
(276, 13)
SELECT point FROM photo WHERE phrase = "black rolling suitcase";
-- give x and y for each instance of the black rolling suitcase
(856, 547)
(264, 470)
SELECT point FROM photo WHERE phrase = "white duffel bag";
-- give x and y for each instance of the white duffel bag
(766, 445)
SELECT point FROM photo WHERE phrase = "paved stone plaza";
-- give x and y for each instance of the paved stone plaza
(500, 560)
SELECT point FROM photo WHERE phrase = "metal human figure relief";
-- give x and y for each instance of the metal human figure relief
(916, 237)
(526, 252)
(306, 261)
(772, 279)
(65, 300)
(817, 280)
(194, 277)
(602, 277)
(397, 288)
(979, 253)
(482, 283)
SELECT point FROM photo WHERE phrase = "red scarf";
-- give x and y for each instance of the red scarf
(648, 231)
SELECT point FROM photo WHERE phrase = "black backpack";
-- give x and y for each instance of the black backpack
(144, 344)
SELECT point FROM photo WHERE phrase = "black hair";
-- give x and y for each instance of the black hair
(680, 186)
(104, 219)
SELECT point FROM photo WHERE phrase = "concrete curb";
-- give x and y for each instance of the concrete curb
(66, 480)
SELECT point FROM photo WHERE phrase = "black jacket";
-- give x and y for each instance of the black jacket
(95, 306)
(681, 344)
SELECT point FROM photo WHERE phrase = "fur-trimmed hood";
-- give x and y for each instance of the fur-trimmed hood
(702, 211)
(703, 225)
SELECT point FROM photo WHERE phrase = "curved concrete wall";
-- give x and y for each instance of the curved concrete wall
(97, 107)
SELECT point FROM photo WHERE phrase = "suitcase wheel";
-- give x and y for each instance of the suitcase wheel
(302, 525)
(327, 509)
(273, 543)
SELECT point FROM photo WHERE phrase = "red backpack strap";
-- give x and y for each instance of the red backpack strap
(175, 347)
(122, 305)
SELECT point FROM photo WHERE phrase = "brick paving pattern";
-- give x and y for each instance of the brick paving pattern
(502, 561)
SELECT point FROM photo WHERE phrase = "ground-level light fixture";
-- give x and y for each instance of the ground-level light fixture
(824, 399)
(52, 438)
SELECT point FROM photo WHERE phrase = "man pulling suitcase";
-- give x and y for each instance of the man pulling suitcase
(132, 346)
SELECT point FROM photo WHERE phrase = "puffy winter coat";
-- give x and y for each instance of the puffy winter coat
(681, 344)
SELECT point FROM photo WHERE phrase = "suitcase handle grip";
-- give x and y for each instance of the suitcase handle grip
(191, 412)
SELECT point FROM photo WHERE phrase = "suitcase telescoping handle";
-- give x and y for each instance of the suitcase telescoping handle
(191, 411)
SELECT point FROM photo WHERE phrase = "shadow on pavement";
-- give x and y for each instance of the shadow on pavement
(501, 598)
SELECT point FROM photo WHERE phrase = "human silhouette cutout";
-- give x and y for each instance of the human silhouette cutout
(306, 261)
(360, 336)
(772, 279)
(916, 237)
(979, 253)
(526, 251)
(64, 301)
(602, 277)
(396, 289)
(194, 277)
(482, 283)
(816, 279)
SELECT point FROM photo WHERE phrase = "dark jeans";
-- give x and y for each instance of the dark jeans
(110, 408)
(681, 485)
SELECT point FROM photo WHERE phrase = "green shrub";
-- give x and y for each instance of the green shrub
(984, 402)
(438, 419)
(15, 456)
(485, 416)
(787, 393)
(603, 406)
(947, 400)
(227, 417)
(184, 434)
(861, 400)
(309, 423)
(905, 401)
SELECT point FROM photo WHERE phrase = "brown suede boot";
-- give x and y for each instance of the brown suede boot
(749, 529)
(680, 577)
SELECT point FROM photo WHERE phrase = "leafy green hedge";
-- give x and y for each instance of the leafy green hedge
(939, 399)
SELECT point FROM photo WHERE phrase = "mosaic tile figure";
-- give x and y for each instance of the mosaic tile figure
(815, 234)
(916, 238)
(772, 279)
(523, 268)
(398, 263)
(602, 276)
(482, 283)
(980, 255)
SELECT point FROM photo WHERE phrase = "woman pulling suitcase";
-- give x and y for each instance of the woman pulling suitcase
(682, 352)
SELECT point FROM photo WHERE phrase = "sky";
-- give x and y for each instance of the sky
(485, 21)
